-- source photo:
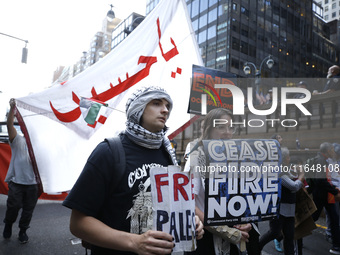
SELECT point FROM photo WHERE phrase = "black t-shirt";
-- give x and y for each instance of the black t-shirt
(93, 196)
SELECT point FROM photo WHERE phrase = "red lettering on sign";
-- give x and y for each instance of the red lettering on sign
(160, 183)
(178, 187)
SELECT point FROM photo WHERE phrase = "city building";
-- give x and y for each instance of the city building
(125, 27)
(331, 9)
(233, 32)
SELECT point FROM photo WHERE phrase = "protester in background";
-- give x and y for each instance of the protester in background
(277, 241)
(297, 163)
(333, 83)
(333, 164)
(278, 138)
(191, 146)
(301, 84)
(269, 96)
(22, 185)
(214, 241)
(120, 223)
(286, 220)
(325, 194)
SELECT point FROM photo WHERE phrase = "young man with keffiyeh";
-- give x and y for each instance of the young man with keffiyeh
(120, 223)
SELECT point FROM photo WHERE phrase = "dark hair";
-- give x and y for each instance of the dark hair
(296, 160)
(274, 136)
(216, 113)
(325, 147)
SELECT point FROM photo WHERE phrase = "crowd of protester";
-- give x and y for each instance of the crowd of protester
(108, 228)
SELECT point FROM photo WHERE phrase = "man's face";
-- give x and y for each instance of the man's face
(279, 139)
(155, 115)
(331, 72)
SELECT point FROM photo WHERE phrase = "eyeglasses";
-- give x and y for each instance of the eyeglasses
(223, 127)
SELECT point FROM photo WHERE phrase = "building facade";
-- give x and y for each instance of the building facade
(125, 27)
(331, 9)
(232, 32)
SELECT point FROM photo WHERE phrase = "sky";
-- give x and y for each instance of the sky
(57, 33)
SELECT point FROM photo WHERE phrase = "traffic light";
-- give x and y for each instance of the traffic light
(24, 55)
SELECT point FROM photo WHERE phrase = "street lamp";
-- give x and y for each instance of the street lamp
(24, 50)
(110, 14)
(247, 70)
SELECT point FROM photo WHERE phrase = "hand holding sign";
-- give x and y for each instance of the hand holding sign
(243, 184)
(156, 242)
(174, 206)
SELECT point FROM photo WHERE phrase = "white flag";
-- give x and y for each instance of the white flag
(159, 52)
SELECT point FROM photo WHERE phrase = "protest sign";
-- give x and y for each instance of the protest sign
(243, 184)
(204, 96)
(174, 205)
(305, 207)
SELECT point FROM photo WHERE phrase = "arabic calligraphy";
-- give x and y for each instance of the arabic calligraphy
(113, 91)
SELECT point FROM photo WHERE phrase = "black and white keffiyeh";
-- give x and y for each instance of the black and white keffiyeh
(136, 104)
(135, 107)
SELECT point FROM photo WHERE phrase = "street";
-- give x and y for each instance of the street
(49, 234)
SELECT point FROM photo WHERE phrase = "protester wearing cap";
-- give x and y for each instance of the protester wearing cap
(333, 83)
(301, 84)
(119, 223)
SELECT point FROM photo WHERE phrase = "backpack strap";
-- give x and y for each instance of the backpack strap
(118, 153)
(119, 164)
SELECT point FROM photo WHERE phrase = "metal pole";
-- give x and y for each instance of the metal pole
(14, 37)
(24, 50)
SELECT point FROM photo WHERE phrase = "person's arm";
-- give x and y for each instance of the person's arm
(290, 184)
(96, 232)
(323, 92)
(12, 132)
(199, 228)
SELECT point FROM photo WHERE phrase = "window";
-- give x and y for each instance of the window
(211, 63)
(244, 30)
(204, 5)
(211, 32)
(235, 63)
(194, 8)
(326, 1)
(244, 47)
(221, 62)
(212, 2)
(221, 28)
(202, 36)
(326, 17)
(244, 11)
(221, 44)
(235, 44)
(195, 25)
(333, 5)
(234, 7)
(222, 9)
(333, 14)
(212, 15)
(203, 21)
(326, 9)
(211, 48)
